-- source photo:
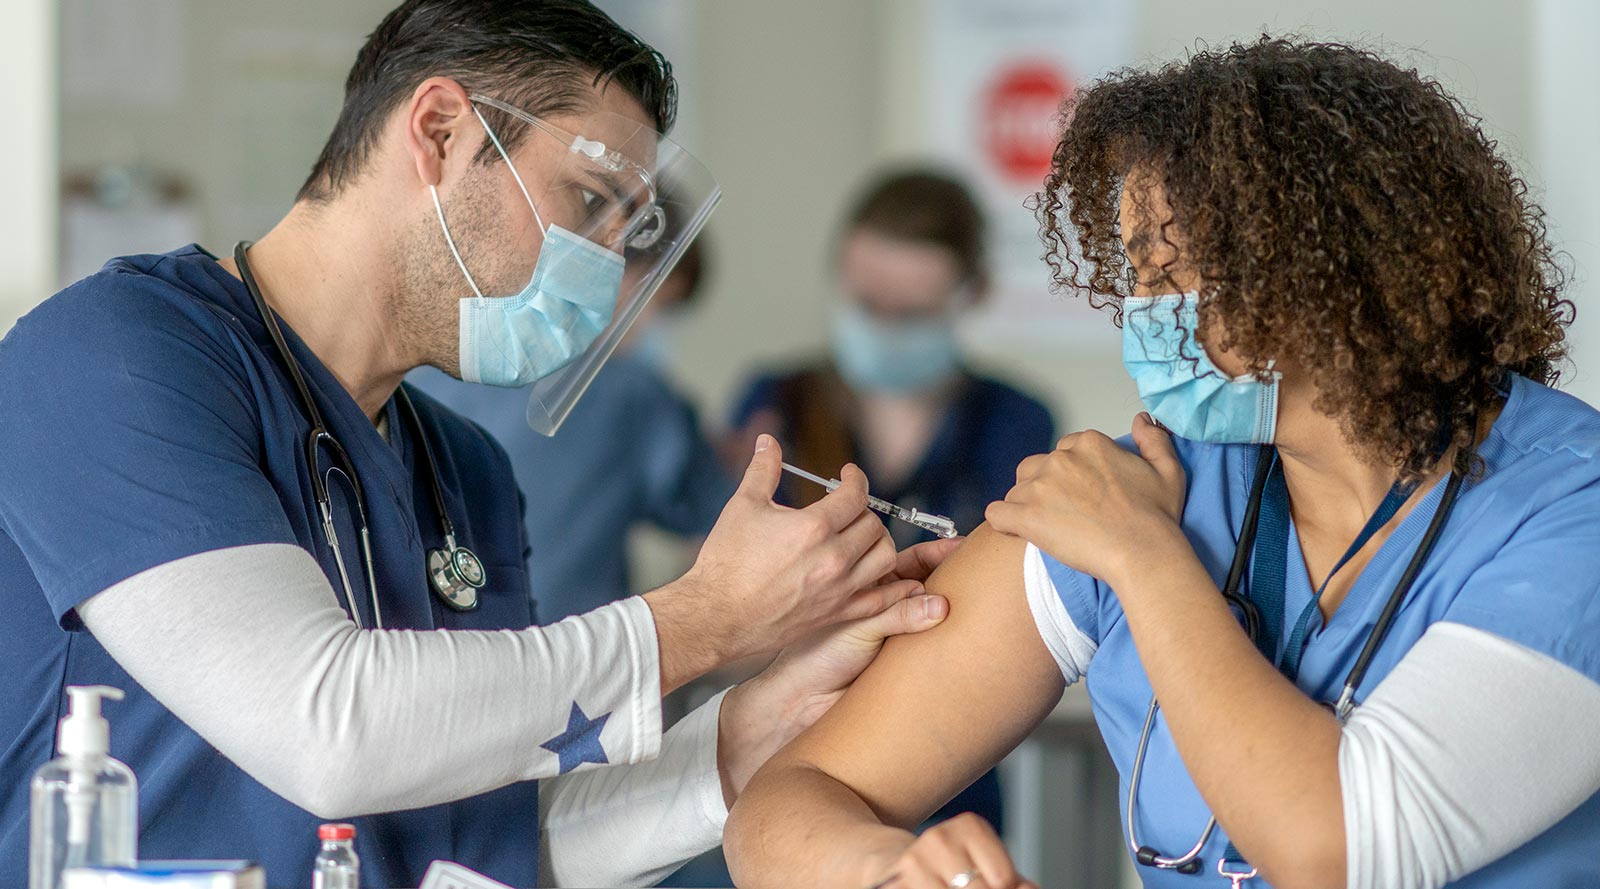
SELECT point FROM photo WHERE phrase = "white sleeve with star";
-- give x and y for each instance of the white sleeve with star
(250, 648)
(633, 825)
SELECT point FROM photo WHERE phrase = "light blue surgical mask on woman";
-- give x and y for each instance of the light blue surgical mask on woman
(1180, 386)
(566, 305)
(900, 357)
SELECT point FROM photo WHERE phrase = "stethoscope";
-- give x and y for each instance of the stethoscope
(1189, 862)
(454, 571)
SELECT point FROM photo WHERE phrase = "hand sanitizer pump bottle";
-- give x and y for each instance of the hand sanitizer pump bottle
(85, 807)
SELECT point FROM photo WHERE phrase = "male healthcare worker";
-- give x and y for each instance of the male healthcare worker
(215, 495)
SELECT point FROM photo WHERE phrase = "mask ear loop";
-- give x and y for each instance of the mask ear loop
(510, 166)
(1269, 404)
(438, 208)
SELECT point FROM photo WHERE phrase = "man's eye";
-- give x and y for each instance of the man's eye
(591, 199)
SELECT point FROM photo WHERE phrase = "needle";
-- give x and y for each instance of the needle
(938, 525)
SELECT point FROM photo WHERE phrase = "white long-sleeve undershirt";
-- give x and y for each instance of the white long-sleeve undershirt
(250, 648)
(1470, 747)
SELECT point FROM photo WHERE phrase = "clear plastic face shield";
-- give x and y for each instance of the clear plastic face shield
(620, 202)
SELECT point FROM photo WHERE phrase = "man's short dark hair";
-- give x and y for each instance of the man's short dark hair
(537, 54)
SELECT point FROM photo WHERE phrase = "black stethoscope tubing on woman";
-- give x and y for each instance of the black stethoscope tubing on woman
(455, 573)
(1189, 862)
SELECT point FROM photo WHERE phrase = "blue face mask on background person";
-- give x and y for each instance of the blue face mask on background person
(567, 304)
(899, 357)
(654, 343)
(1180, 386)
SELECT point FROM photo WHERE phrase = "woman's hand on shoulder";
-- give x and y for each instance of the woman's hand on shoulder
(1094, 506)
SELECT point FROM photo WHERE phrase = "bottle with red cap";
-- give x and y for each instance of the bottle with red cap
(337, 864)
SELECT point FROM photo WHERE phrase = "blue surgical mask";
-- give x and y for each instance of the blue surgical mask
(900, 357)
(515, 340)
(1179, 385)
(567, 303)
(653, 343)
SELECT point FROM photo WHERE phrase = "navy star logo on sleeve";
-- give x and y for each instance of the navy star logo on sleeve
(580, 743)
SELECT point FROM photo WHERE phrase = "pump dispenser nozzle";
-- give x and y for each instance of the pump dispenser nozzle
(84, 732)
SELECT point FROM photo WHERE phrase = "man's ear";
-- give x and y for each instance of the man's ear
(441, 131)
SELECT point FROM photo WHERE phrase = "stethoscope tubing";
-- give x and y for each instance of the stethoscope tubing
(1147, 855)
(320, 439)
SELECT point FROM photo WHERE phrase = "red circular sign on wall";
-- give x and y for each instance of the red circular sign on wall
(1018, 118)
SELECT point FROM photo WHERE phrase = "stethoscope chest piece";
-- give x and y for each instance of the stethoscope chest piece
(457, 575)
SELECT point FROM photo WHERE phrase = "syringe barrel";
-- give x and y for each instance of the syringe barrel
(887, 508)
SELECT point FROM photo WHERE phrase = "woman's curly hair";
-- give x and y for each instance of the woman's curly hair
(1341, 212)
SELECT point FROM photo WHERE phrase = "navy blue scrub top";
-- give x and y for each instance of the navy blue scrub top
(146, 417)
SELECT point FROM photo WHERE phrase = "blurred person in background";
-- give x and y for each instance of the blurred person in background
(632, 453)
(896, 396)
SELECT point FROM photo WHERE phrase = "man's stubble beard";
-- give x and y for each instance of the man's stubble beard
(431, 286)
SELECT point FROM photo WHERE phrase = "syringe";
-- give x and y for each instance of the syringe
(938, 525)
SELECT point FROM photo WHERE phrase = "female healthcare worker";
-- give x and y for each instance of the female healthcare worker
(1338, 301)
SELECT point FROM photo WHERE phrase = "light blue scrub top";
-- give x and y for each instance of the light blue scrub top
(1519, 557)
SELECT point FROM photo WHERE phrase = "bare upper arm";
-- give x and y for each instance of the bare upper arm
(938, 709)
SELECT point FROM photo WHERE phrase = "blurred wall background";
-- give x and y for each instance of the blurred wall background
(791, 105)
(28, 191)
